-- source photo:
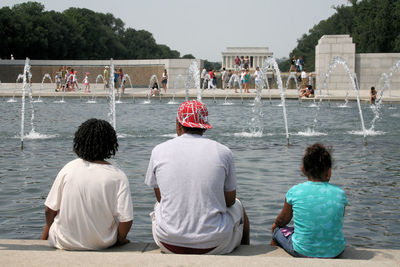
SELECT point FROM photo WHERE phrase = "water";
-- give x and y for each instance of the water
(193, 80)
(353, 79)
(271, 62)
(266, 167)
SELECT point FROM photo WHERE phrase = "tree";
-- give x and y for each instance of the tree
(373, 24)
(27, 30)
(189, 56)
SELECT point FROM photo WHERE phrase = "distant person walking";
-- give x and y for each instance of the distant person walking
(202, 77)
(223, 78)
(86, 83)
(123, 80)
(164, 80)
(293, 64)
(210, 79)
(106, 77)
(237, 63)
(257, 77)
(372, 95)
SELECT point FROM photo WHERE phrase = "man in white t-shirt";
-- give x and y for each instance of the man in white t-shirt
(89, 206)
(223, 78)
(257, 77)
(202, 77)
(304, 78)
(194, 180)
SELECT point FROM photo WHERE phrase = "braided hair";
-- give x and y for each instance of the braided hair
(317, 161)
(95, 140)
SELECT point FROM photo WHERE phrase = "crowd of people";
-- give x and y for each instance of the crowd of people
(66, 80)
(196, 211)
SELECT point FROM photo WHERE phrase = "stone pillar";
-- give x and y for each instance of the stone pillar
(330, 46)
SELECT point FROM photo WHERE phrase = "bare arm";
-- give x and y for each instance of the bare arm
(123, 230)
(158, 194)
(50, 215)
(284, 217)
(230, 198)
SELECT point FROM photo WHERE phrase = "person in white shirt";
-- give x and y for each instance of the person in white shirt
(304, 78)
(223, 78)
(194, 180)
(89, 206)
(257, 77)
(202, 77)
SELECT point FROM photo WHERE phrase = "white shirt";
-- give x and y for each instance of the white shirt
(91, 200)
(192, 173)
(223, 75)
(257, 75)
(203, 73)
(303, 74)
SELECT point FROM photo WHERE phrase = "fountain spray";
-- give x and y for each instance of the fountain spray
(112, 96)
(26, 81)
(268, 62)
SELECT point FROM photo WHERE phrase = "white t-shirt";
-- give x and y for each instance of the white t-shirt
(257, 75)
(91, 200)
(203, 73)
(192, 173)
(303, 74)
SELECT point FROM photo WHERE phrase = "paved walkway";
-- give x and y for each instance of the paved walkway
(10, 90)
(38, 253)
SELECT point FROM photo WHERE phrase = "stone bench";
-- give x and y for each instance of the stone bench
(39, 253)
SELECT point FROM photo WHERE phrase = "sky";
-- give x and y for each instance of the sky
(204, 28)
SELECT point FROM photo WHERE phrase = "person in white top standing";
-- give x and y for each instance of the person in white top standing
(304, 78)
(89, 206)
(223, 78)
(257, 77)
(194, 180)
(164, 80)
(202, 77)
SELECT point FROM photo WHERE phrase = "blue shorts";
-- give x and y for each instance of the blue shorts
(285, 242)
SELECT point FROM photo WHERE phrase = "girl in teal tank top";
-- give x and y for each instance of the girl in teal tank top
(317, 208)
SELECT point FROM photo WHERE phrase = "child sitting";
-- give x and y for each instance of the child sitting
(89, 206)
(318, 209)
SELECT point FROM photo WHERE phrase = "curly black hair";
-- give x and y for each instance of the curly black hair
(95, 140)
(317, 161)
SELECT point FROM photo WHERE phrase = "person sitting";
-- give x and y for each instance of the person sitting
(372, 95)
(194, 181)
(308, 92)
(317, 208)
(89, 206)
(155, 90)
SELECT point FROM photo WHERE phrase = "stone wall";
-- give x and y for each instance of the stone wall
(330, 46)
(367, 67)
(140, 71)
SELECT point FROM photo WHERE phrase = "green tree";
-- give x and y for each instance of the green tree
(373, 24)
(189, 56)
(27, 30)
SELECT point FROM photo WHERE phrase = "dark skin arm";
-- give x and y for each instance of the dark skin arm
(123, 229)
(284, 217)
(230, 197)
(50, 215)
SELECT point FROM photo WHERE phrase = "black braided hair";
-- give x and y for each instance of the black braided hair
(95, 140)
(317, 161)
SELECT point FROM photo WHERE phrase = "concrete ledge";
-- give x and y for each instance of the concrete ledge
(9, 90)
(39, 253)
